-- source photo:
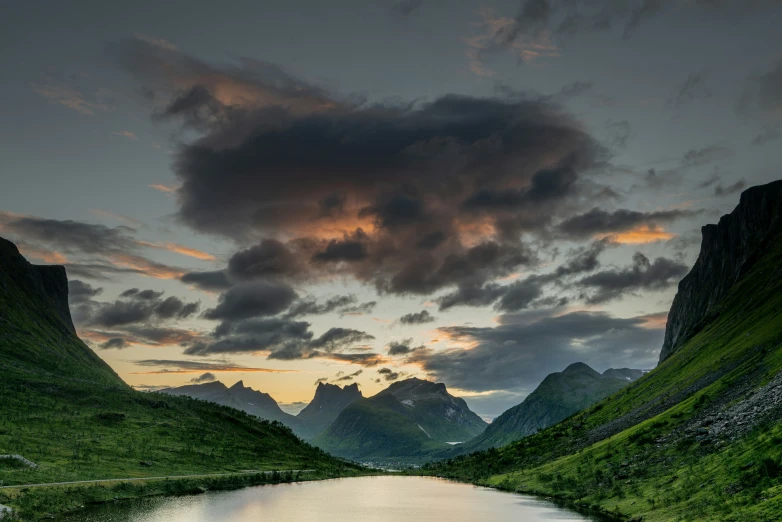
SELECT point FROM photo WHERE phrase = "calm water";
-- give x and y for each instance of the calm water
(364, 499)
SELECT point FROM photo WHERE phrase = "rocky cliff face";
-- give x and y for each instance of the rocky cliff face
(49, 283)
(729, 249)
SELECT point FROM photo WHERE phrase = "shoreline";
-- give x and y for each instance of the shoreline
(62, 501)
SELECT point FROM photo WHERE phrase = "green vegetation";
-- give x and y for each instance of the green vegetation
(559, 396)
(644, 451)
(404, 423)
(65, 410)
(42, 502)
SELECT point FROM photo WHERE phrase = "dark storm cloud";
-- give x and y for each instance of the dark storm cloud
(210, 281)
(529, 291)
(270, 258)
(204, 377)
(80, 292)
(599, 221)
(520, 294)
(312, 306)
(643, 274)
(518, 356)
(252, 299)
(392, 194)
(421, 317)
(132, 308)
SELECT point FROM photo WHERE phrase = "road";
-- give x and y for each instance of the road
(131, 479)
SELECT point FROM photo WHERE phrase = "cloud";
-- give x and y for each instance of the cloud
(721, 190)
(763, 96)
(80, 292)
(136, 307)
(410, 198)
(768, 134)
(126, 134)
(186, 366)
(598, 222)
(252, 299)
(694, 88)
(401, 347)
(360, 309)
(388, 374)
(210, 281)
(421, 317)
(311, 306)
(57, 90)
(349, 377)
(114, 342)
(406, 7)
(518, 356)
(204, 377)
(643, 274)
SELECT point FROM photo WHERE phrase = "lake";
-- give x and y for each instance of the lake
(365, 499)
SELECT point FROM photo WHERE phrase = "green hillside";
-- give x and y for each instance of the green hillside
(699, 437)
(65, 410)
(558, 396)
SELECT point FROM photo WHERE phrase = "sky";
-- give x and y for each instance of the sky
(287, 193)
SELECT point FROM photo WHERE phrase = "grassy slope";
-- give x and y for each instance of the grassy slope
(633, 474)
(63, 408)
(376, 429)
(557, 397)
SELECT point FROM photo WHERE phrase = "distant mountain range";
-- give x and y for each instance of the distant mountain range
(559, 396)
(408, 419)
(326, 405)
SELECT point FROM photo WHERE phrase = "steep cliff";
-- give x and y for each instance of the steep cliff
(729, 250)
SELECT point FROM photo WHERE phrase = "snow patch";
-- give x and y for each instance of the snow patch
(419, 426)
(409, 402)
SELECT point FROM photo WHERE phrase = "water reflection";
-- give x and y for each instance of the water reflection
(365, 499)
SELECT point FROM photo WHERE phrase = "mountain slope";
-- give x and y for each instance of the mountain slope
(698, 438)
(326, 405)
(403, 422)
(238, 396)
(64, 409)
(558, 396)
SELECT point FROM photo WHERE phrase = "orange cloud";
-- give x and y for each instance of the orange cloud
(179, 249)
(146, 267)
(640, 235)
(47, 256)
(163, 188)
(655, 321)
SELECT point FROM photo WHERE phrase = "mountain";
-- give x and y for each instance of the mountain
(237, 396)
(558, 396)
(326, 405)
(403, 422)
(64, 409)
(698, 437)
(729, 250)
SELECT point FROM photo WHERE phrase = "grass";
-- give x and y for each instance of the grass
(649, 467)
(64, 409)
